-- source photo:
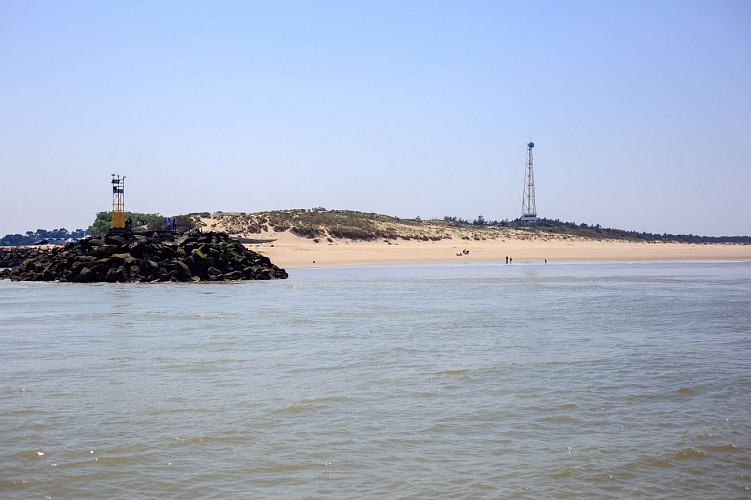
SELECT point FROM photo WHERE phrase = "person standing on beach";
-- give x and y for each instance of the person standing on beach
(507, 260)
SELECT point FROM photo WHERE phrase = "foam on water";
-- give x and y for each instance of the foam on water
(476, 380)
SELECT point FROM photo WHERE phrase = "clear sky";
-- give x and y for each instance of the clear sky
(640, 111)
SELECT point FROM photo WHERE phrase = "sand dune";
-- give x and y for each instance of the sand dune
(484, 244)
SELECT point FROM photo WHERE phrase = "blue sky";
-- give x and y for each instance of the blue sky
(640, 111)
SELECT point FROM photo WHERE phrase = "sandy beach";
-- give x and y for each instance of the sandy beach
(288, 250)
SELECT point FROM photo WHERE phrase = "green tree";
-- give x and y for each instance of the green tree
(184, 222)
(101, 223)
(153, 222)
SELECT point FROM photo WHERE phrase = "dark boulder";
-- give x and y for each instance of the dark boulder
(183, 269)
(13, 256)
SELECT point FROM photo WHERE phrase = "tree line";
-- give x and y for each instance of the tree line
(31, 237)
(101, 224)
(598, 232)
(149, 222)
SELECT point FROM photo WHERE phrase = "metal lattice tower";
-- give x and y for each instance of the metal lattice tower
(529, 208)
(118, 201)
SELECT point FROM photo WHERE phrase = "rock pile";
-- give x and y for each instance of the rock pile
(153, 257)
(12, 256)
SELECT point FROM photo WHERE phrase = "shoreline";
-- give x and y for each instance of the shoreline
(288, 250)
(285, 249)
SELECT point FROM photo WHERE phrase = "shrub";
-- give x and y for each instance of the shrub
(307, 232)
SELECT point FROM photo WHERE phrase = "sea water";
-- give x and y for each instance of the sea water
(463, 380)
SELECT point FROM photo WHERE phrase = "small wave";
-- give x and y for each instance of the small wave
(327, 399)
(551, 408)
(10, 484)
(327, 368)
(123, 460)
(452, 372)
(691, 452)
(659, 463)
(609, 388)
(295, 409)
(21, 390)
(738, 328)
(426, 394)
(565, 473)
(648, 395)
(558, 420)
(725, 448)
(228, 436)
(287, 468)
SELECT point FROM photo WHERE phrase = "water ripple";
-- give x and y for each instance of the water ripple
(612, 380)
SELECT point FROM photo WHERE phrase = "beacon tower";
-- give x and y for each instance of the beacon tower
(529, 208)
(118, 201)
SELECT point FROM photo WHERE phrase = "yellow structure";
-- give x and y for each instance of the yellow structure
(118, 201)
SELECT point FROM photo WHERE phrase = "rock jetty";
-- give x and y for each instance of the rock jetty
(12, 256)
(149, 258)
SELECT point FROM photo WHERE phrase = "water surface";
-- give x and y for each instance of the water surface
(467, 380)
